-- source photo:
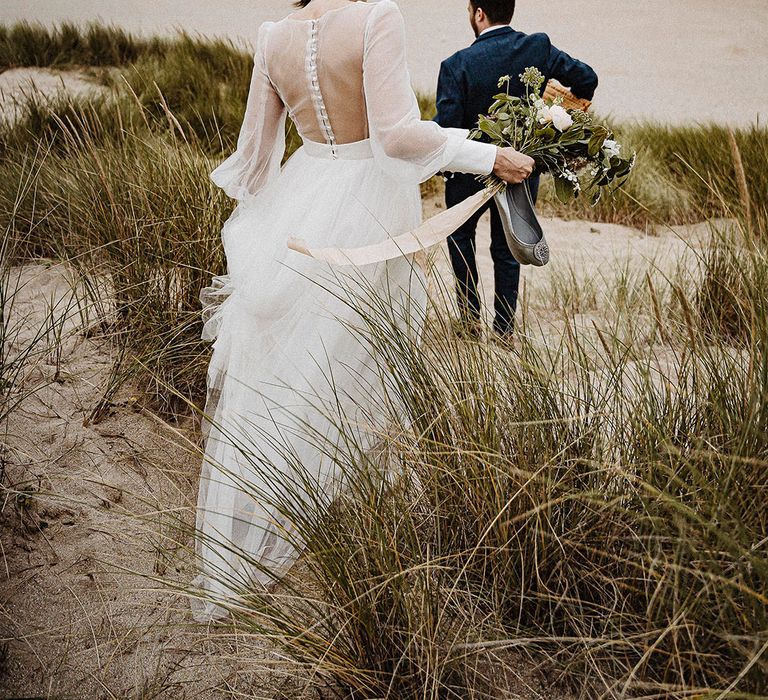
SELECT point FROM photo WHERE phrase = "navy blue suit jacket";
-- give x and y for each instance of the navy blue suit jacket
(469, 79)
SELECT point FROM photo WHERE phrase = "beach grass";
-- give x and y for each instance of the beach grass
(594, 507)
(147, 238)
(121, 172)
(31, 44)
(590, 502)
(684, 173)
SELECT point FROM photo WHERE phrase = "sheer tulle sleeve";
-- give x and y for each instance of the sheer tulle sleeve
(261, 143)
(404, 145)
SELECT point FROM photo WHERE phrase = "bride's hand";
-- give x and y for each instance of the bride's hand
(512, 166)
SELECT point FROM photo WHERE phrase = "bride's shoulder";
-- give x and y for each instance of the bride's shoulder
(383, 9)
(266, 26)
(384, 5)
(384, 20)
(262, 33)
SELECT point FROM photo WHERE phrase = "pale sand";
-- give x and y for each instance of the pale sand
(668, 60)
(19, 84)
(76, 619)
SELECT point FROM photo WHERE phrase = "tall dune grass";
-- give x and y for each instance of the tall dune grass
(593, 500)
(684, 173)
(596, 507)
(32, 44)
(137, 216)
(204, 83)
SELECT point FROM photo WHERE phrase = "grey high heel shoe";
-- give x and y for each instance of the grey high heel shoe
(521, 227)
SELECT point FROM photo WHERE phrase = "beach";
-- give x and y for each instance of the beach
(602, 475)
(678, 61)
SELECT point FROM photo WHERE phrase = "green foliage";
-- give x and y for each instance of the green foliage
(570, 145)
(682, 175)
(31, 44)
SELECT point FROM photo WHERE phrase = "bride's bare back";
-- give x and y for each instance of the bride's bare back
(342, 77)
(328, 52)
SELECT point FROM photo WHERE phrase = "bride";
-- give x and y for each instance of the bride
(337, 68)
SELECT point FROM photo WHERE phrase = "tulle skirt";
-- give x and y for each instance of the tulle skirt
(285, 350)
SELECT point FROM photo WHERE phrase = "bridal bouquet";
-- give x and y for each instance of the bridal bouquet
(580, 153)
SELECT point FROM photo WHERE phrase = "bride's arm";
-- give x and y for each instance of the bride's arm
(261, 142)
(402, 141)
(396, 128)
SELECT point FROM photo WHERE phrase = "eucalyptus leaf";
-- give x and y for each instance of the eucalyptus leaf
(563, 189)
(596, 143)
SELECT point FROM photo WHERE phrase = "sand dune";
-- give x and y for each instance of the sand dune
(18, 84)
(74, 618)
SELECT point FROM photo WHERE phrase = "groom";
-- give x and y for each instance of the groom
(466, 86)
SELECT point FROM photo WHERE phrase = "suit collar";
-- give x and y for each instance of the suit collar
(496, 31)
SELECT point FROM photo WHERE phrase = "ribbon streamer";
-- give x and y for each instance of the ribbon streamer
(432, 231)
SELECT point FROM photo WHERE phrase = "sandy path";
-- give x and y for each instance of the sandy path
(73, 622)
(671, 60)
(18, 84)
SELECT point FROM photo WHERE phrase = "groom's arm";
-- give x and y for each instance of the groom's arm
(450, 99)
(573, 74)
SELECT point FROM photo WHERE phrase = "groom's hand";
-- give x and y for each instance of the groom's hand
(512, 166)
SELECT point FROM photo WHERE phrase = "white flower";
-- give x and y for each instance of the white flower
(570, 175)
(542, 111)
(573, 179)
(560, 118)
(613, 148)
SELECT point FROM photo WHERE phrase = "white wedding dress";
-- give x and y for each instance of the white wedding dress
(279, 332)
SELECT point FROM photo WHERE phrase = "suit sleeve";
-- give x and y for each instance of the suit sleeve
(450, 99)
(574, 74)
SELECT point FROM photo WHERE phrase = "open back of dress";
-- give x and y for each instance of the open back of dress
(343, 79)
(329, 104)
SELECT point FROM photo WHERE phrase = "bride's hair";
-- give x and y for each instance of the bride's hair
(302, 3)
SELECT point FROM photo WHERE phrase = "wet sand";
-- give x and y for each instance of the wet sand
(666, 60)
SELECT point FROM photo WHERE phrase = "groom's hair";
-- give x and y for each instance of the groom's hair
(498, 11)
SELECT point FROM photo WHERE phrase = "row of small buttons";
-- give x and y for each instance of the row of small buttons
(317, 96)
